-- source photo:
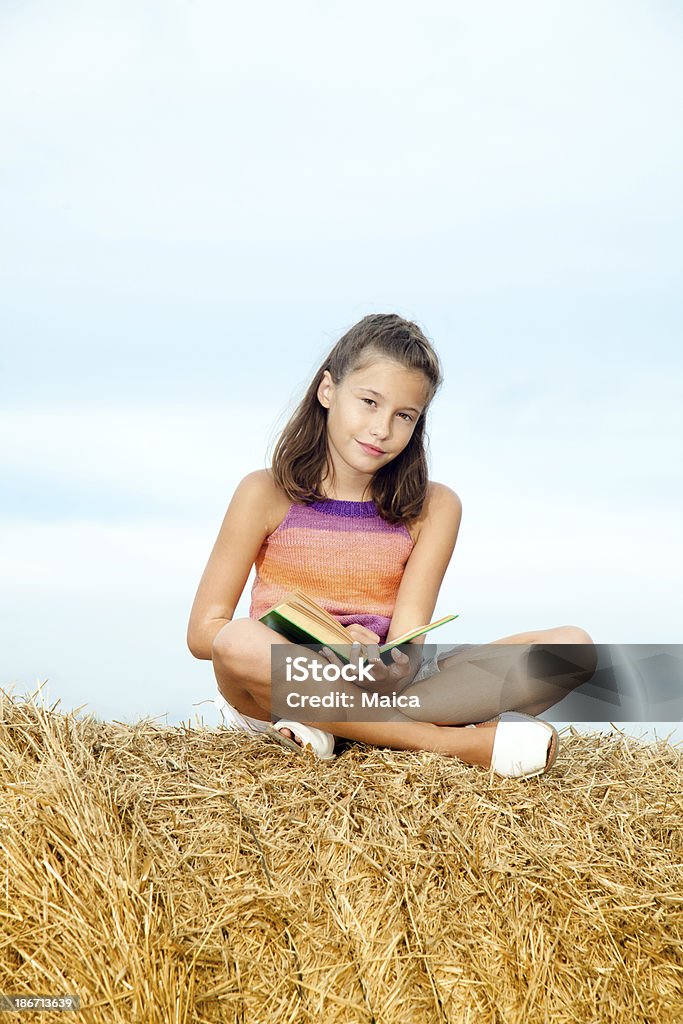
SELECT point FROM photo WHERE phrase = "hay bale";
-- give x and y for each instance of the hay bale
(190, 874)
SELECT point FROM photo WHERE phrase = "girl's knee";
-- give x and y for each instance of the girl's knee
(234, 641)
(583, 653)
(568, 635)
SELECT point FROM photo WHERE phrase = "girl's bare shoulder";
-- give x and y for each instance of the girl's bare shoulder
(440, 500)
(262, 489)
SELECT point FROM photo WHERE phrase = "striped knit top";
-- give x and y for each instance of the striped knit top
(342, 554)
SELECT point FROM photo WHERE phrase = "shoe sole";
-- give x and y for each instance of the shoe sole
(305, 748)
(553, 749)
(285, 741)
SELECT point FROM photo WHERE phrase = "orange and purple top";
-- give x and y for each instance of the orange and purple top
(342, 554)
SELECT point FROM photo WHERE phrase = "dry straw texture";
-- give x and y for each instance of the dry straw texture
(177, 874)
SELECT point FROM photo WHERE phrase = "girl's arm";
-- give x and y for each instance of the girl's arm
(245, 527)
(428, 561)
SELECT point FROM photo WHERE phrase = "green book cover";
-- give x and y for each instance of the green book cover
(277, 620)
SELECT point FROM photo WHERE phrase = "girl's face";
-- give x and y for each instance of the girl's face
(371, 416)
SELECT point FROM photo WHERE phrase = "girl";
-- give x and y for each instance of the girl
(347, 514)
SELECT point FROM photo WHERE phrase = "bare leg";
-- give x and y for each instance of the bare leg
(575, 645)
(550, 664)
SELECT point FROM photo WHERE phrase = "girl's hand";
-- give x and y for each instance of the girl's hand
(387, 678)
(365, 637)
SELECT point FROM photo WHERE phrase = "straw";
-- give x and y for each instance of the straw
(191, 874)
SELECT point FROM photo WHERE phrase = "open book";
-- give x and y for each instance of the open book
(300, 619)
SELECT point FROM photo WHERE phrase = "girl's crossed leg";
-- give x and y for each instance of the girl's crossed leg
(533, 672)
(455, 697)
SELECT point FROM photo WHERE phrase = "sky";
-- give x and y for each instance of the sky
(198, 199)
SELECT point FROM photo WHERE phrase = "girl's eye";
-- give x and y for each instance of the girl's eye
(404, 416)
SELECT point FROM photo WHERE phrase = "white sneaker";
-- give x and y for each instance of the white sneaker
(523, 746)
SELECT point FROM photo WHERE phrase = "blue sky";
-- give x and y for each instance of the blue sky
(198, 199)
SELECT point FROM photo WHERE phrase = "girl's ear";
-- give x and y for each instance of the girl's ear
(325, 389)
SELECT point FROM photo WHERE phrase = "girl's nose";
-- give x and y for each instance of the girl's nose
(380, 430)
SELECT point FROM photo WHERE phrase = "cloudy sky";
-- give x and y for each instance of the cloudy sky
(198, 198)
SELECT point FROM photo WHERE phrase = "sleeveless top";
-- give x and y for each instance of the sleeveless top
(342, 554)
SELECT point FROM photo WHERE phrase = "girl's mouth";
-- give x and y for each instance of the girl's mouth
(369, 450)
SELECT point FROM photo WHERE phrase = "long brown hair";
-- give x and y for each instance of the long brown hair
(300, 457)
